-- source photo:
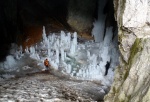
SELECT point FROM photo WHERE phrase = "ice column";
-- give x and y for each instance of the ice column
(49, 52)
(75, 39)
(62, 37)
(49, 49)
(44, 33)
(57, 55)
(88, 54)
(52, 38)
(73, 44)
(58, 43)
(68, 39)
(72, 48)
(62, 54)
(108, 37)
(99, 25)
(94, 60)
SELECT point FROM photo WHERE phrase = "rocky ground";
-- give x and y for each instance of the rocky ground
(46, 86)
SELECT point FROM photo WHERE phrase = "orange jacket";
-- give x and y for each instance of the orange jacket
(46, 63)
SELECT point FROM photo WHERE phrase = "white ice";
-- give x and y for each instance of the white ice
(82, 60)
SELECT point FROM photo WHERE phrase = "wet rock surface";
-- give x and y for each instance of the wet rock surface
(46, 87)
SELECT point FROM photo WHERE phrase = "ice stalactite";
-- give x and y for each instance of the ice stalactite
(108, 36)
(99, 25)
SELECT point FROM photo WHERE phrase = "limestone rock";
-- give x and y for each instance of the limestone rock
(132, 81)
(135, 13)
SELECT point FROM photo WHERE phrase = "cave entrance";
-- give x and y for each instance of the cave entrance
(88, 60)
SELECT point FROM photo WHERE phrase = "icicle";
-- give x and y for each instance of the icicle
(99, 25)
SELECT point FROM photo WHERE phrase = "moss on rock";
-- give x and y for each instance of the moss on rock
(136, 47)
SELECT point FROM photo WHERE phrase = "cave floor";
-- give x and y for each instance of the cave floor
(46, 87)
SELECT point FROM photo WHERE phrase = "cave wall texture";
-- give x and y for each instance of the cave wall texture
(132, 77)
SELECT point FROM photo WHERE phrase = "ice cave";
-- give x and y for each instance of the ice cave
(79, 39)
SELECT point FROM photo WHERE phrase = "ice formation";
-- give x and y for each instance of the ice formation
(85, 61)
(98, 30)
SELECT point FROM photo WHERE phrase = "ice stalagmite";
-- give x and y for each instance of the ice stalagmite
(26, 50)
(44, 34)
(57, 55)
(32, 50)
(75, 38)
(62, 37)
(49, 52)
(73, 44)
(72, 49)
(62, 54)
(68, 40)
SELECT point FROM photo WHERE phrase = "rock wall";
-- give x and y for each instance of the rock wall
(132, 77)
(81, 15)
